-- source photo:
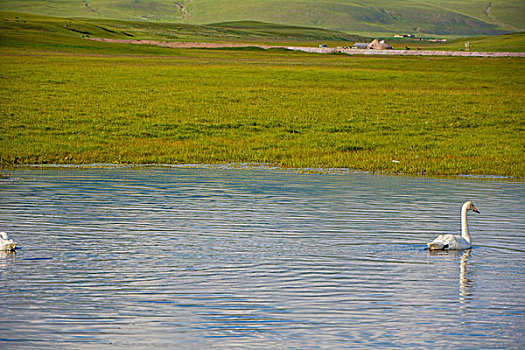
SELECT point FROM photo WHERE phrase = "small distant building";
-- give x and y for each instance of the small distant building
(404, 36)
(360, 46)
(375, 45)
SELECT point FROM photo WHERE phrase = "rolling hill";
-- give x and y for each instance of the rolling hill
(23, 29)
(438, 17)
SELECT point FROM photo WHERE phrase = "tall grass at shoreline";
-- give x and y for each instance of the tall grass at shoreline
(436, 116)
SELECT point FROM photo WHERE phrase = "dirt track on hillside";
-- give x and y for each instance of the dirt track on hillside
(184, 45)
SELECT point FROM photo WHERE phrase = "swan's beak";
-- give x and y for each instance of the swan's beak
(474, 209)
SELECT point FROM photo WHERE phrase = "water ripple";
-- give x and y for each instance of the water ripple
(257, 258)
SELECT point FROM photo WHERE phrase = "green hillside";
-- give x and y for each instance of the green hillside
(418, 16)
(22, 29)
(32, 31)
(443, 17)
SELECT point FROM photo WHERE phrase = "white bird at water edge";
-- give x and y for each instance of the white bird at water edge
(6, 243)
(456, 242)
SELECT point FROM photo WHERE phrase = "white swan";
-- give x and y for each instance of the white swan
(456, 242)
(6, 243)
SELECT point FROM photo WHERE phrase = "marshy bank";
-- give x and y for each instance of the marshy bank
(411, 115)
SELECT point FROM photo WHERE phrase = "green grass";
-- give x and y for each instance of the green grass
(440, 17)
(70, 100)
(508, 42)
(498, 43)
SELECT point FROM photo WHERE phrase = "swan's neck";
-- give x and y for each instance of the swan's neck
(464, 225)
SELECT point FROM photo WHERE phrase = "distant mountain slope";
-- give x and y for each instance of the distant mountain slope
(18, 28)
(461, 17)
(154, 10)
(422, 16)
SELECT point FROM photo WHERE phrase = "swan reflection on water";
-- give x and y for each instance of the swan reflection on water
(465, 283)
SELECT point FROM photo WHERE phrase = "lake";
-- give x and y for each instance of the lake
(218, 257)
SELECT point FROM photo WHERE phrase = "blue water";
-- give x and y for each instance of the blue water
(191, 258)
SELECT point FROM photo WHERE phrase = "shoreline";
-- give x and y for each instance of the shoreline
(257, 166)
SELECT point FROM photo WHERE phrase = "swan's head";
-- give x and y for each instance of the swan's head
(470, 206)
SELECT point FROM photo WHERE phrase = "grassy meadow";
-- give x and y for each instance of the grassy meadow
(68, 100)
(514, 42)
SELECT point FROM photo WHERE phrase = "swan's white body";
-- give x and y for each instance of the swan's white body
(6, 243)
(456, 242)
